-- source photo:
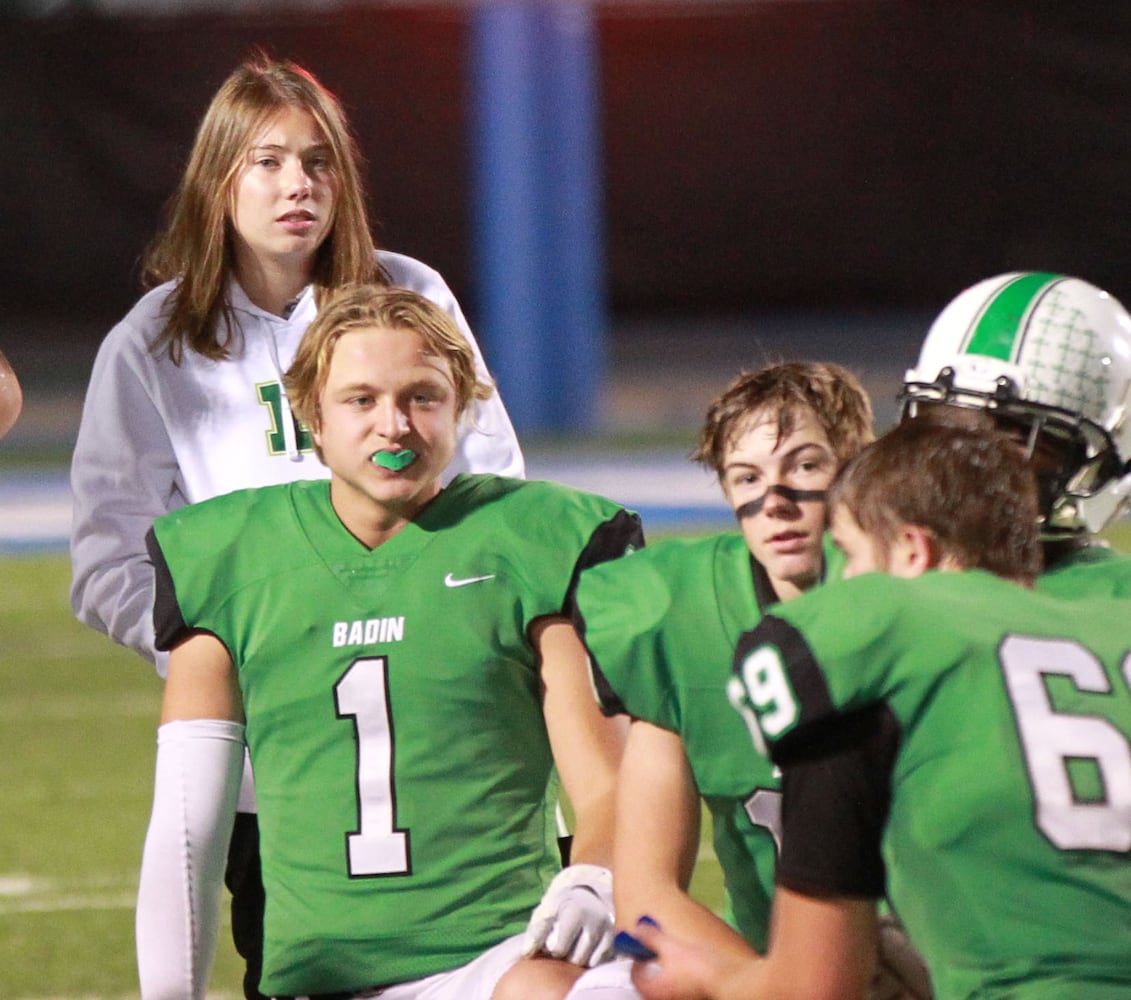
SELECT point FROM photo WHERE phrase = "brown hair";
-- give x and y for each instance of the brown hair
(362, 306)
(833, 393)
(195, 247)
(972, 490)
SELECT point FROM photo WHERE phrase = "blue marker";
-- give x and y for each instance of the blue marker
(625, 944)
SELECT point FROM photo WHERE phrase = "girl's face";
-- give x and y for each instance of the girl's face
(284, 195)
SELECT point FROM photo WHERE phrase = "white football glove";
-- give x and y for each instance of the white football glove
(574, 921)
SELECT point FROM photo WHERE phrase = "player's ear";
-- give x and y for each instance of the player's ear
(316, 426)
(915, 551)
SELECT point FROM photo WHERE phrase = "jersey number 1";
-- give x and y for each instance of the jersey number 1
(377, 847)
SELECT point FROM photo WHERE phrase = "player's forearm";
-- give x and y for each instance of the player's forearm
(764, 979)
(658, 828)
(651, 882)
(676, 911)
(594, 828)
(821, 948)
(594, 800)
(588, 748)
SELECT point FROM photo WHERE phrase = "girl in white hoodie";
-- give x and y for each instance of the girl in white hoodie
(186, 399)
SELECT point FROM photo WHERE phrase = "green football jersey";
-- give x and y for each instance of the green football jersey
(661, 629)
(972, 738)
(403, 773)
(1094, 570)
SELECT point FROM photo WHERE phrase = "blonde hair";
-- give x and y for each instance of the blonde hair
(832, 393)
(196, 249)
(364, 306)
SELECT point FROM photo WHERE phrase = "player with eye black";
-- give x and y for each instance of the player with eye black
(661, 626)
(959, 742)
(1046, 359)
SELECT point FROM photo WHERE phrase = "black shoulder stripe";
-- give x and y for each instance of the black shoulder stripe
(838, 733)
(607, 698)
(610, 540)
(168, 624)
(805, 677)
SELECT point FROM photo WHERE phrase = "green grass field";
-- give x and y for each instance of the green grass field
(78, 722)
(77, 735)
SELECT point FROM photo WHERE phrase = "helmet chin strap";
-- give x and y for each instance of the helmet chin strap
(753, 507)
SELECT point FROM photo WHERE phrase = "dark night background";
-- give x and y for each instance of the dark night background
(826, 157)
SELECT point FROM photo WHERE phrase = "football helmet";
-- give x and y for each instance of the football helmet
(1048, 357)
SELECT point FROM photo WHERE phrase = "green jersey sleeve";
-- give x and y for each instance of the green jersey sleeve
(978, 734)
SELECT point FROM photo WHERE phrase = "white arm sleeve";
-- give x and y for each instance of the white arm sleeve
(124, 474)
(199, 765)
(487, 441)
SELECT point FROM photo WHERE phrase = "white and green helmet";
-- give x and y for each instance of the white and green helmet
(1052, 353)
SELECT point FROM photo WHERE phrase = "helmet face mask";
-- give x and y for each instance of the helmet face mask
(1073, 458)
(1046, 359)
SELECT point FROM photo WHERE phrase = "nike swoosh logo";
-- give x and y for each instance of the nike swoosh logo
(451, 581)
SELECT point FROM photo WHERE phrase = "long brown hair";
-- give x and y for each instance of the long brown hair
(195, 247)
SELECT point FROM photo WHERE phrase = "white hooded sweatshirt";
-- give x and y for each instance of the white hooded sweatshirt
(155, 436)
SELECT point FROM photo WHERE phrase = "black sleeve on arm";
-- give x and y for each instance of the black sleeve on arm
(836, 794)
(168, 625)
(612, 539)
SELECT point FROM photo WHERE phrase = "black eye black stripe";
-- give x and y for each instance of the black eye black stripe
(752, 507)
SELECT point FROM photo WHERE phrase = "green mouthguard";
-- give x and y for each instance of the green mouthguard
(395, 460)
